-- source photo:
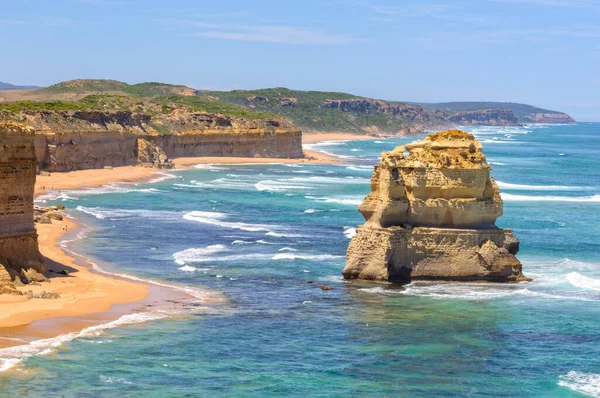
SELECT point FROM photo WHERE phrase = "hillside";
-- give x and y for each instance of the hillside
(309, 110)
(154, 107)
(332, 111)
(102, 130)
(8, 86)
(314, 110)
(524, 113)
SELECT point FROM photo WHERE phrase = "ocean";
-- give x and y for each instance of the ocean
(259, 234)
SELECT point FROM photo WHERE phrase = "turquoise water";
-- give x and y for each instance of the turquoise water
(258, 233)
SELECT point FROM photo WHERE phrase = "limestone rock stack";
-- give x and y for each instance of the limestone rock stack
(19, 254)
(431, 216)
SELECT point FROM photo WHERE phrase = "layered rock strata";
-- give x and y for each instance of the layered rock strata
(20, 259)
(431, 216)
(76, 140)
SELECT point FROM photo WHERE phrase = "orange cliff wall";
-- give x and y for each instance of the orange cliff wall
(73, 140)
(18, 237)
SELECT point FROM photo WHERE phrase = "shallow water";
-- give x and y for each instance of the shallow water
(258, 233)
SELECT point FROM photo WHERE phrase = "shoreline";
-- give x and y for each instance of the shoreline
(88, 296)
(82, 291)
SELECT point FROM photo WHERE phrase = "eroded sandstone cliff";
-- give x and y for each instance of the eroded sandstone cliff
(431, 215)
(75, 140)
(20, 259)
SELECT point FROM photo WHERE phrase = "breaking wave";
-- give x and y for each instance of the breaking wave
(197, 255)
(583, 383)
(301, 256)
(583, 282)
(11, 356)
(349, 232)
(467, 291)
(214, 218)
(102, 213)
(351, 201)
(527, 198)
(506, 185)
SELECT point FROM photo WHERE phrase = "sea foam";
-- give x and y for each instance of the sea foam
(524, 187)
(11, 356)
(528, 198)
(349, 232)
(215, 218)
(583, 282)
(197, 255)
(583, 383)
(304, 256)
(351, 201)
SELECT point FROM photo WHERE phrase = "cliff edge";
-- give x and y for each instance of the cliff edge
(431, 216)
(20, 259)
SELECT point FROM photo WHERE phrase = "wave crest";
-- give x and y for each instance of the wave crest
(583, 282)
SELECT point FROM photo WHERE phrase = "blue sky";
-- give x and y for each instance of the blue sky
(541, 52)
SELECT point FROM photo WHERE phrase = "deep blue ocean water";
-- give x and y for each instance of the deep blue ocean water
(258, 233)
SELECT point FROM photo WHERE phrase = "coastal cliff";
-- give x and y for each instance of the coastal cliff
(75, 140)
(420, 118)
(20, 259)
(431, 216)
(335, 112)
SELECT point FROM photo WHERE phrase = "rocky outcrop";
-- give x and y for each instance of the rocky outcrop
(431, 216)
(417, 119)
(549, 118)
(75, 140)
(484, 117)
(151, 155)
(19, 253)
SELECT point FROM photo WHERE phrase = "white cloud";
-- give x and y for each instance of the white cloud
(276, 34)
(260, 33)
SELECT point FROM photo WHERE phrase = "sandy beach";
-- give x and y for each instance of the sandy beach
(313, 138)
(82, 291)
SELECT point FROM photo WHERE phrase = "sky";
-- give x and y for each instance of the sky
(540, 52)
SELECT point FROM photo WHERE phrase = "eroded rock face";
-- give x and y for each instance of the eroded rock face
(431, 215)
(18, 237)
(151, 155)
(78, 140)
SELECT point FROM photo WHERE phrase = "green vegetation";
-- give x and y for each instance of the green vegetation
(85, 85)
(212, 105)
(309, 110)
(41, 106)
(521, 111)
(306, 110)
(162, 105)
(151, 89)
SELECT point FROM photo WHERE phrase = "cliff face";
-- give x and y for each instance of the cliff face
(431, 215)
(417, 119)
(73, 140)
(550, 118)
(484, 117)
(18, 238)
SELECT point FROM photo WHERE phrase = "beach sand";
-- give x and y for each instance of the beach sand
(81, 291)
(313, 138)
(86, 296)
(98, 177)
